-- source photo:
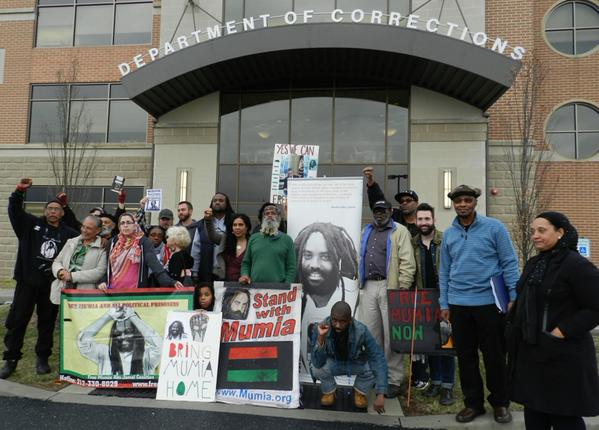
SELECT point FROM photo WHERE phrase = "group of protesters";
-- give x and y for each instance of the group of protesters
(540, 353)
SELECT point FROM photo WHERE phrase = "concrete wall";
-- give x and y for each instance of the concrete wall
(187, 138)
(445, 134)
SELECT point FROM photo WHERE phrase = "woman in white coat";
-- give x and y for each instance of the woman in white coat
(82, 261)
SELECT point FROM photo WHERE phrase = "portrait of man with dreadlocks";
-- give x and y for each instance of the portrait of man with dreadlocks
(327, 267)
(133, 346)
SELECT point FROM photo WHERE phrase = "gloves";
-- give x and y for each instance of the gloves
(122, 197)
(62, 198)
(24, 185)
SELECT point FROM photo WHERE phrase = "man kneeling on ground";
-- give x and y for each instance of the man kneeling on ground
(348, 349)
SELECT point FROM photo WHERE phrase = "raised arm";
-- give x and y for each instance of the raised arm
(19, 219)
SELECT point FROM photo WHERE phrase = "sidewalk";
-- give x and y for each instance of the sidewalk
(76, 394)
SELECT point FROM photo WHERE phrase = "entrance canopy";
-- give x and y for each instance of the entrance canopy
(378, 54)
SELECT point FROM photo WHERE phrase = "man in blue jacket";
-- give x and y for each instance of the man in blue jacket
(348, 349)
(475, 249)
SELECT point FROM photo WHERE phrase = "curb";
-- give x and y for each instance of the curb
(79, 395)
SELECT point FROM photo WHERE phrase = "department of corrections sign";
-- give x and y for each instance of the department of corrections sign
(393, 19)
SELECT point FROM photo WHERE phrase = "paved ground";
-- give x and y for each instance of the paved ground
(72, 405)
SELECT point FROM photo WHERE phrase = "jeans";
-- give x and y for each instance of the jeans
(442, 368)
(364, 377)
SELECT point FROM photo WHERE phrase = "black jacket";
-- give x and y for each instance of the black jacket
(375, 194)
(559, 376)
(39, 242)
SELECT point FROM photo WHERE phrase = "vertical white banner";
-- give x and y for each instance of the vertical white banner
(324, 220)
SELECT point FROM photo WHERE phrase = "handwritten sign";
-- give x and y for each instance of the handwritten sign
(190, 350)
(420, 323)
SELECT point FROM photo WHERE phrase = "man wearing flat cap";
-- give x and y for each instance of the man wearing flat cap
(407, 199)
(476, 248)
(386, 262)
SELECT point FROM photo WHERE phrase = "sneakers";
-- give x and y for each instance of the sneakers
(8, 368)
(446, 397)
(328, 399)
(41, 366)
(360, 400)
(392, 391)
(420, 385)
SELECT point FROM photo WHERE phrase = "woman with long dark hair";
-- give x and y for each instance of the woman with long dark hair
(552, 361)
(231, 245)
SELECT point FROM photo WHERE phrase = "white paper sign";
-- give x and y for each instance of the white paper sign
(290, 162)
(189, 363)
(154, 203)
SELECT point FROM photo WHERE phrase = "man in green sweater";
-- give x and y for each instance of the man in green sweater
(270, 254)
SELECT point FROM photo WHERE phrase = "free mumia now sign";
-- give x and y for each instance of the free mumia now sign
(414, 316)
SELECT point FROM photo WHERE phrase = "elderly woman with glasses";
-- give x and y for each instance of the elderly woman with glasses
(82, 261)
(131, 256)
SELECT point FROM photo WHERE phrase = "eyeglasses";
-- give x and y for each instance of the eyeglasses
(126, 223)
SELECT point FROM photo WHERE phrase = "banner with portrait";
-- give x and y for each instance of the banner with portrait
(189, 362)
(291, 161)
(416, 315)
(324, 219)
(260, 349)
(113, 339)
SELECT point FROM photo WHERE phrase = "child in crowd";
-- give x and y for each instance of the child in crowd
(204, 297)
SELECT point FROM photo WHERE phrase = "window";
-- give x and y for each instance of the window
(94, 113)
(573, 130)
(352, 126)
(81, 199)
(93, 22)
(572, 27)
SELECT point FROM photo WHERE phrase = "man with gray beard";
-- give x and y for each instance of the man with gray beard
(270, 254)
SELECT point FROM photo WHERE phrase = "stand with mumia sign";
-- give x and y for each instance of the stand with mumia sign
(415, 316)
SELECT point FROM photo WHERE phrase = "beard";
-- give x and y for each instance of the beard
(425, 230)
(270, 227)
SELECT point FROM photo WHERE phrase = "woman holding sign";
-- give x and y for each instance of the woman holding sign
(131, 256)
(552, 361)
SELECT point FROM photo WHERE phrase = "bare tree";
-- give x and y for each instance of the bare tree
(527, 153)
(70, 150)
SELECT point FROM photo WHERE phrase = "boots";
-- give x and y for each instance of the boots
(41, 366)
(446, 397)
(8, 368)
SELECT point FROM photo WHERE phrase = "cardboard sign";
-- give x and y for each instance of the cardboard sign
(190, 350)
(429, 333)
